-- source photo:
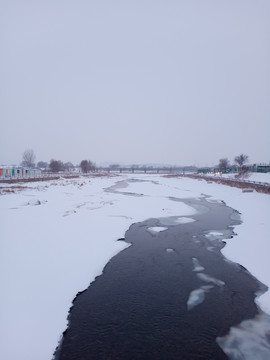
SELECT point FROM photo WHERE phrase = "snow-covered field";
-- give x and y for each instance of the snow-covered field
(56, 237)
(259, 177)
(254, 177)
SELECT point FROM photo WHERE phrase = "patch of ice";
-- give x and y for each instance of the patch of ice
(209, 279)
(214, 235)
(197, 296)
(184, 220)
(170, 250)
(249, 340)
(197, 266)
(155, 229)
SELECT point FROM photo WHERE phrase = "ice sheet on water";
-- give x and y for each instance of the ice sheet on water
(184, 220)
(174, 220)
(249, 340)
(209, 279)
(196, 265)
(197, 296)
(214, 235)
(155, 229)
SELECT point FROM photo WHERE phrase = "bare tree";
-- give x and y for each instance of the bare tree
(56, 165)
(223, 164)
(241, 159)
(68, 166)
(87, 165)
(29, 158)
(84, 166)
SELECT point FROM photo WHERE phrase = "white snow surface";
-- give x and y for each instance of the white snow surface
(254, 177)
(249, 340)
(260, 177)
(56, 237)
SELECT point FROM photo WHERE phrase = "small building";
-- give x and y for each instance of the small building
(263, 168)
(18, 172)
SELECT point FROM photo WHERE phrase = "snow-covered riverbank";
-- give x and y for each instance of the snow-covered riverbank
(56, 237)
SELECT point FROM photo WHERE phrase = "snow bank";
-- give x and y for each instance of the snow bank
(260, 177)
(249, 340)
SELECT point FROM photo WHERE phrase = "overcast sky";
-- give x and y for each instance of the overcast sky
(135, 81)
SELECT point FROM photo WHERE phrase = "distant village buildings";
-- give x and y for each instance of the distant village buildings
(18, 172)
(259, 168)
(22, 172)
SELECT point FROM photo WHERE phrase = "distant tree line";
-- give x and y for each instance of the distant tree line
(86, 166)
(28, 160)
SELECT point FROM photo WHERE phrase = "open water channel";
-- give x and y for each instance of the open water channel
(168, 296)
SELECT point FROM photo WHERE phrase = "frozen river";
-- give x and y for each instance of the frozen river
(57, 237)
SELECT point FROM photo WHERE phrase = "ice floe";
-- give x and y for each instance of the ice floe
(170, 250)
(155, 229)
(196, 265)
(197, 296)
(214, 235)
(174, 220)
(184, 220)
(209, 279)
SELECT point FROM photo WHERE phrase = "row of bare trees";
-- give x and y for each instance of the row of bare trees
(239, 161)
(29, 157)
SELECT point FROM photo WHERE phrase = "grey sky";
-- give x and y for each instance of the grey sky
(135, 81)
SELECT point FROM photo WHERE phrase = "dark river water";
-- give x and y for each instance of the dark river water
(144, 306)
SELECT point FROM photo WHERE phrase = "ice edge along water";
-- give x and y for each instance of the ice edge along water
(56, 245)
